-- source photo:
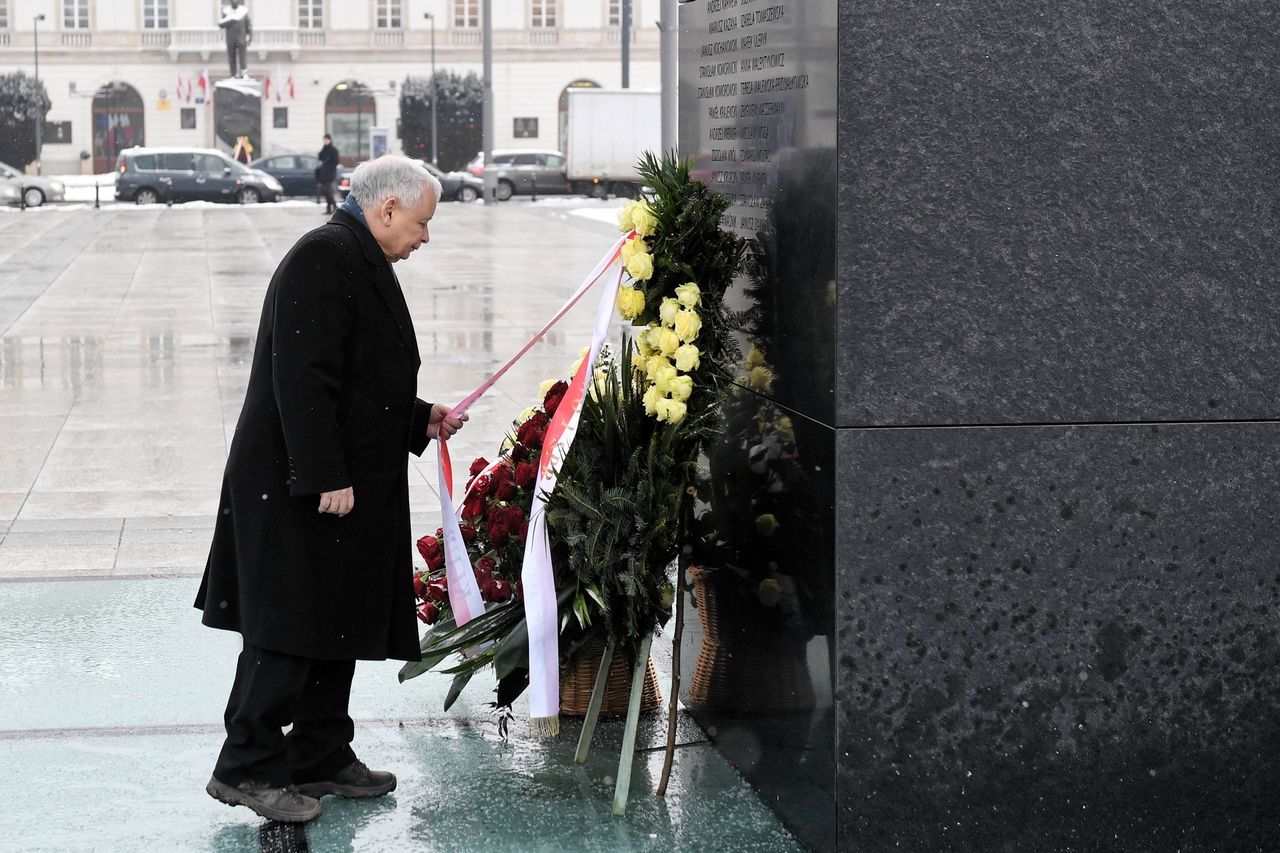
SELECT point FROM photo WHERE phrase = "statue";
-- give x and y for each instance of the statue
(235, 20)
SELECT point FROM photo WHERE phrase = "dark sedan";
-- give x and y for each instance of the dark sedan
(456, 186)
(295, 172)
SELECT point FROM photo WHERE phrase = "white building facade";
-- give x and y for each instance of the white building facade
(130, 72)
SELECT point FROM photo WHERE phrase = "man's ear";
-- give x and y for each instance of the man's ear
(384, 210)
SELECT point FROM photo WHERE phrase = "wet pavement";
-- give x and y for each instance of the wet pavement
(125, 340)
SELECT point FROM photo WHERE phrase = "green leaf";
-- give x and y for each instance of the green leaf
(455, 689)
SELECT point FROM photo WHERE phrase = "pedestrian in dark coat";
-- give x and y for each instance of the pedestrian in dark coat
(310, 559)
(327, 173)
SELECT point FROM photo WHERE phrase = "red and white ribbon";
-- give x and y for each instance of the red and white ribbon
(537, 578)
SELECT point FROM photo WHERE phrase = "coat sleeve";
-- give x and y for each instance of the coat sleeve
(418, 440)
(314, 311)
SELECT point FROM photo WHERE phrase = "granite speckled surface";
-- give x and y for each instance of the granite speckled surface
(1057, 212)
(1059, 638)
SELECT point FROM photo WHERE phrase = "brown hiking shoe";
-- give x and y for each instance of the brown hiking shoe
(354, 780)
(283, 804)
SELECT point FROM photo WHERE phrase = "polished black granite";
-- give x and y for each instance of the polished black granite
(1057, 212)
(1059, 638)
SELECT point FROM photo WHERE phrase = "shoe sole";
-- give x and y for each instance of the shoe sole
(224, 793)
(321, 789)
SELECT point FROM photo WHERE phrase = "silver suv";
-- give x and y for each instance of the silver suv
(150, 175)
(525, 172)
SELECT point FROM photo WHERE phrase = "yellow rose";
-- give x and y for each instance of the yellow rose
(634, 246)
(638, 361)
(668, 342)
(650, 401)
(755, 358)
(630, 302)
(786, 429)
(525, 415)
(663, 377)
(654, 364)
(642, 219)
(686, 358)
(688, 324)
(689, 294)
(545, 387)
(642, 342)
(769, 592)
(760, 378)
(582, 355)
(681, 387)
(671, 411)
(625, 221)
(766, 524)
(640, 266)
(600, 385)
(668, 310)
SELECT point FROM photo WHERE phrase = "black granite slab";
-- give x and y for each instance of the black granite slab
(1058, 212)
(1059, 638)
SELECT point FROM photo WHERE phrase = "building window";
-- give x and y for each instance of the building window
(311, 14)
(75, 14)
(525, 128)
(388, 17)
(615, 13)
(279, 116)
(466, 13)
(188, 118)
(155, 14)
(542, 13)
(4, 14)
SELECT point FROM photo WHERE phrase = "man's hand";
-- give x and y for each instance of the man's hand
(340, 502)
(443, 424)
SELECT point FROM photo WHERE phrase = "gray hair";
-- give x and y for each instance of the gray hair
(391, 175)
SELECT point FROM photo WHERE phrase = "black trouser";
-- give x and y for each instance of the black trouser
(272, 690)
(237, 56)
(330, 203)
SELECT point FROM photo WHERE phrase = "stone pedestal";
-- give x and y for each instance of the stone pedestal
(1018, 304)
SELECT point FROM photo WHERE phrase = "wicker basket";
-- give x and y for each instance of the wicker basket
(578, 678)
(748, 664)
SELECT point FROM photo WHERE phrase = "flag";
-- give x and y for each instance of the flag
(178, 90)
(266, 88)
(190, 86)
(204, 84)
(290, 85)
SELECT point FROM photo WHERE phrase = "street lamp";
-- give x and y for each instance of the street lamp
(434, 153)
(35, 24)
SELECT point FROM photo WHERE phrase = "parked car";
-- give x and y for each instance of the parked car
(150, 175)
(525, 172)
(295, 172)
(10, 192)
(455, 186)
(35, 189)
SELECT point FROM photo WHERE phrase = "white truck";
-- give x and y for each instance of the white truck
(607, 131)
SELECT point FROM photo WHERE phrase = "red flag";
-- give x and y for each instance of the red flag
(290, 85)
(178, 96)
(266, 88)
(204, 84)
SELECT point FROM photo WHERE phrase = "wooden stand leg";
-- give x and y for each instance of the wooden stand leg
(593, 708)
(623, 787)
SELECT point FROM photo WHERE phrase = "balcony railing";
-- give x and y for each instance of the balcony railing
(544, 36)
(311, 38)
(155, 38)
(76, 38)
(615, 35)
(209, 41)
(386, 38)
(464, 36)
(4, 38)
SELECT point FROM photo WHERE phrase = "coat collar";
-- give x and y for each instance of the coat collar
(384, 278)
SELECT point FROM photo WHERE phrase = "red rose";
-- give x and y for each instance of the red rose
(485, 568)
(482, 484)
(429, 613)
(514, 517)
(479, 465)
(472, 507)
(532, 431)
(419, 586)
(526, 475)
(498, 533)
(499, 589)
(520, 453)
(507, 491)
(468, 533)
(551, 402)
(428, 547)
(438, 590)
(436, 562)
(486, 590)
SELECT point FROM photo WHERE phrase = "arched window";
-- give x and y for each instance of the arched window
(563, 123)
(118, 123)
(349, 112)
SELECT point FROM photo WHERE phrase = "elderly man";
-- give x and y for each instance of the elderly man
(310, 560)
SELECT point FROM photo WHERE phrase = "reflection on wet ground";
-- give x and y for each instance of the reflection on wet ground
(125, 340)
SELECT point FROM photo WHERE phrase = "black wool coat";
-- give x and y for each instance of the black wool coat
(331, 403)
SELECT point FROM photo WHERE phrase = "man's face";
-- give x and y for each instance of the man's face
(400, 230)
